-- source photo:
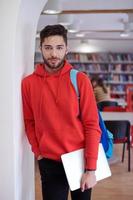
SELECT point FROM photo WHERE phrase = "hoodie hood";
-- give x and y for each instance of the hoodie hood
(41, 71)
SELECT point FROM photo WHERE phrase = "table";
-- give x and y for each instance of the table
(118, 116)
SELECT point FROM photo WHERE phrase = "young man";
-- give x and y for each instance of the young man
(56, 122)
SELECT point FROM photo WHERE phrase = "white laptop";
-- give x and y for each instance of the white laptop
(73, 163)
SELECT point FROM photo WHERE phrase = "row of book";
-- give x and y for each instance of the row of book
(112, 78)
(115, 79)
(120, 67)
(121, 78)
(81, 58)
(117, 68)
(118, 88)
(100, 57)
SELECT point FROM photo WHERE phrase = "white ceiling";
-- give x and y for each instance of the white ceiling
(102, 26)
(96, 4)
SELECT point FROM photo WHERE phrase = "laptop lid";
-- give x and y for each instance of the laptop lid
(73, 163)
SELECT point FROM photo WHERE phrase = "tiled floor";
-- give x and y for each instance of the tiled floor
(118, 187)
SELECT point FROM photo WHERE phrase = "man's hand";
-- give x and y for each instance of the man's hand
(39, 157)
(88, 180)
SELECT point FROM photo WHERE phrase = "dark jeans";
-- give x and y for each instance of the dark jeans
(54, 182)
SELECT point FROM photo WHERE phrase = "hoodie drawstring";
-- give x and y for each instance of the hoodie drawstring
(58, 88)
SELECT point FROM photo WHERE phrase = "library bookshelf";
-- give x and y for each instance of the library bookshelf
(116, 69)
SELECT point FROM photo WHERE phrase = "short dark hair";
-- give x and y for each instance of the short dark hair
(52, 30)
(99, 81)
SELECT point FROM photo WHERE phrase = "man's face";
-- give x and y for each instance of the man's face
(54, 52)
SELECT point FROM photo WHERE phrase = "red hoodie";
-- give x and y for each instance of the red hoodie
(51, 114)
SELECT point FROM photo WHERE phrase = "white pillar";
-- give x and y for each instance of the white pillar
(18, 22)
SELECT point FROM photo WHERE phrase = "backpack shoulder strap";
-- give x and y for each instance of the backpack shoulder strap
(106, 137)
(73, 77)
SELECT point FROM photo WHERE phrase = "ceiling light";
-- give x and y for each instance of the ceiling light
(65, 20)
(125, 34)
(80, 35)
(127, 30)
(84, 46)
(52, 7)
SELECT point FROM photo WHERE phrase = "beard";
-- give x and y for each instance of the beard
(53, 66)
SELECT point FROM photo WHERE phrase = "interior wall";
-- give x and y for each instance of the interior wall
(7, 161)
(18, 20)
(103, 46)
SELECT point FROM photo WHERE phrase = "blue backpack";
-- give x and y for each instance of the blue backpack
(106, 136)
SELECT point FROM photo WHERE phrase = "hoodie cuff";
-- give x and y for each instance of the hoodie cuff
(90, 164)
